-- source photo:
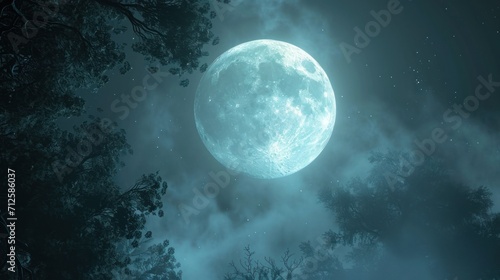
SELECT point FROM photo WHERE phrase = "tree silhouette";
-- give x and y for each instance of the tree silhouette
(155, 262)
(72, 225)
(72, 216)
(320, 262)
(428, 222)
(250, 269)
(74, 44)
(423, 224)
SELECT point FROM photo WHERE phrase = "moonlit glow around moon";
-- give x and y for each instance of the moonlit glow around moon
(265, 108)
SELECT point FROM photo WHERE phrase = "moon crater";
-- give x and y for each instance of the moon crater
(265, 108)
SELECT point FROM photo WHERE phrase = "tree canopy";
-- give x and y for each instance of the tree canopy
(77, 42)
(72, 226)
(75, 221)
(429, 225)
(251, 269)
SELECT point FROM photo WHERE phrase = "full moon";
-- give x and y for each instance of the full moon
(265, 108)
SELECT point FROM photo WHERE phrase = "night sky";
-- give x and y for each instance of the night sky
(390, 93)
